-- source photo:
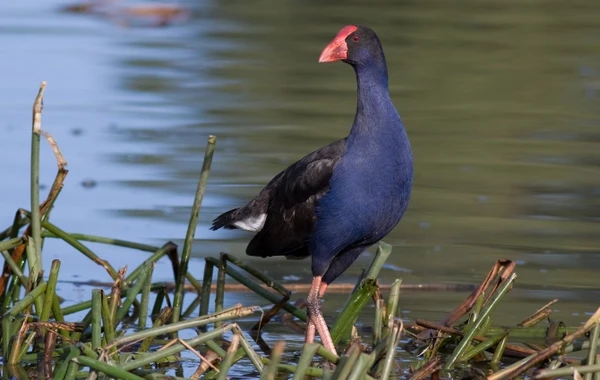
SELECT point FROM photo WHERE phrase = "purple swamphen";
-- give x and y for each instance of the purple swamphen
(338, 200)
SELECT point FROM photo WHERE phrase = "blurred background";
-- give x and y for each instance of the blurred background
(500, 99)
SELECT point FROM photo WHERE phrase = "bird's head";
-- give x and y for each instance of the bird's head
(354, 44)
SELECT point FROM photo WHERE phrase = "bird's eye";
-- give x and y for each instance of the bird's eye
(356, 38)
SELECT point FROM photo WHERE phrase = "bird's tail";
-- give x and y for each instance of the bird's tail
(224, 220)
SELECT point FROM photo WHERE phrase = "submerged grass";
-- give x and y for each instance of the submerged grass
(114, 338)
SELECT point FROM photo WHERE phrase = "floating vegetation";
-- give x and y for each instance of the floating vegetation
(134, 331)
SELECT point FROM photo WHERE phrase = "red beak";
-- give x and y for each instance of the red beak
(337, 49)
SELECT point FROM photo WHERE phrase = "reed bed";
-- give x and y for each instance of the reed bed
(134, 331)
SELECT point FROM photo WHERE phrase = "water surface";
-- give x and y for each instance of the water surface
(499, 98)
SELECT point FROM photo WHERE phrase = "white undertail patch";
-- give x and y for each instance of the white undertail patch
(253, 223)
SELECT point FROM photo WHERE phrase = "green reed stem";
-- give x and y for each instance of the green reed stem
(143, 318)
(85, 323)
(230, 313)
(107, 322)
(308, 353)
(591, 358)
(358, 299)
(190, 309)
(76, 308)
(157, 255)
(347, 361)
(268, 280)
(159, 376)
(87, 350)
(485, 325)
(14, 288)
(50, 290)
(393, 301)
(361, 366)
(381, 255)
(252, 355)
(379, 351)
(255, 287)
(115, 300)
(206, 285)
(193, 281)
(36, 229)
(34, 356)
(378, 324)
(328, 355)
(352, 309)
(96, 319)
(466, 341)
(308, 371)
(270, 371)
(499, 351)
(106, 368)
(11, 243)
(191, 231)
(80, 247)
(216, 348)
(175, 348)
(14, 267)
(18, 222)
(72, 370)
(229, 358)
(12, 232)
(16, 372)
(514, 366)
(25, 347)
(15, 294)
(105, 240)
(161, 318)
(565, 371)
(32, 260)
(524, 333)
(133, 292)
(158, 301)
(15, 348)
(26, 301)
(477, 307)
(220, 293)
(8, 331)
(394, 339)
(61, 369)
(481, 347)
(239, 355)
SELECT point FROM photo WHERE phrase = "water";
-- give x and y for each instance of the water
(500, 100)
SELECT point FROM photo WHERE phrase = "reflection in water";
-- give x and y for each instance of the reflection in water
(499, 99)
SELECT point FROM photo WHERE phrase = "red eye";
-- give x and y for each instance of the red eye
(356, 38)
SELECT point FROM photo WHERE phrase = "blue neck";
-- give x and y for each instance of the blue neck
(374, 108)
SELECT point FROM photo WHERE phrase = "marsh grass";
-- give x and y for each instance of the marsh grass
(114, 339)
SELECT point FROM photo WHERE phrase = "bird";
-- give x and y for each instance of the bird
(337, 201)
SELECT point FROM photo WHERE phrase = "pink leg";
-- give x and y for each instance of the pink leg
(322, 290)
(310, 331)
(310, 326)
(316, 320)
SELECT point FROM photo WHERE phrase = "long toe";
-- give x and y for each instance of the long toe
(315, 318)
(323, 330)
(327, 341)
(310, 331)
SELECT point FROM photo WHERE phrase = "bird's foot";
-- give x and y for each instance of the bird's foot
(315, 317)
(309, 337)
(323, 330)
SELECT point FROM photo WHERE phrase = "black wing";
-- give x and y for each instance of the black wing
(289, 202)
